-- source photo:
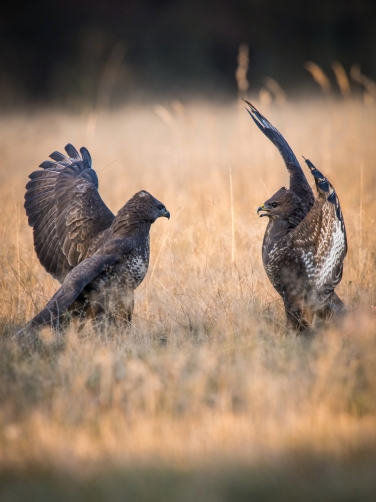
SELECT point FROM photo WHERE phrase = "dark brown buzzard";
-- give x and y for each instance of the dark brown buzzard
(305, 241)
(98, 258)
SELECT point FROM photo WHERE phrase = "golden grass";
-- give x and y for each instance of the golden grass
(205, 396)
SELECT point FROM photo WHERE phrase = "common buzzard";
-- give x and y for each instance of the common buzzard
(305, 241)
(98, 258)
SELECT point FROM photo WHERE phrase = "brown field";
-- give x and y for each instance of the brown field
(205, 398)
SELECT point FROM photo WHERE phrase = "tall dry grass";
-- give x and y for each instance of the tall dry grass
(204, 397)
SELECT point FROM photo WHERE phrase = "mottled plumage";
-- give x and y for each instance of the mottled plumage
(98, 258)
(305, 241)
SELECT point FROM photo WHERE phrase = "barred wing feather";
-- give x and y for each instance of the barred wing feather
(66, 212)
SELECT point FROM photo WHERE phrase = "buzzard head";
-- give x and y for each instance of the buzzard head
(148, 207)
(282, 205)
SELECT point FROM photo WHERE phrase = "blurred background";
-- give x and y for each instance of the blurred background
(90, 53)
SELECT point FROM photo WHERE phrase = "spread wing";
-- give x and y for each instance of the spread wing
(298, 182)
(65, 211)
(321, 238)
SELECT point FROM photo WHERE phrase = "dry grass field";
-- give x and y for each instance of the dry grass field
(204, 398)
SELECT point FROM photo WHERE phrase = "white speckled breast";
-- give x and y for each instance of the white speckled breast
(135, 266)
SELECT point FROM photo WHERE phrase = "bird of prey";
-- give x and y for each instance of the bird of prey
(305, 242)
(98, 258)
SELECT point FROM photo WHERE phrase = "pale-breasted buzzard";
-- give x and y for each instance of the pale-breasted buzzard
(98, 258)
(305, 241)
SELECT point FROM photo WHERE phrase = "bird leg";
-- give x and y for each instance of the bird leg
(122, 305)
(299, 321)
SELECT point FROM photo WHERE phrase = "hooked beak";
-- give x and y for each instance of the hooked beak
(264, 207)
(163, 212)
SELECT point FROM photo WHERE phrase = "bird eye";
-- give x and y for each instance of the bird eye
(160, 206)
(274, 204)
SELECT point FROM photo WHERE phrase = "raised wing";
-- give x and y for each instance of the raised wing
(65, 211)
(298, 181)
(323, 232)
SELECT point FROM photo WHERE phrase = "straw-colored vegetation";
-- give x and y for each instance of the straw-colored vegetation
(204, 397)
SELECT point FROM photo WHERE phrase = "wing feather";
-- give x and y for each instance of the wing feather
(72, 286)
(76, 280)
(65, 209)
(86, 157)
(59, 157)
(298, 182)
(72, 152)
(321, 239)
